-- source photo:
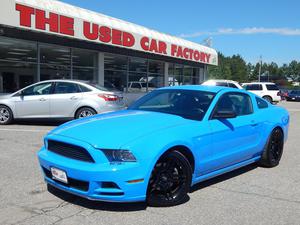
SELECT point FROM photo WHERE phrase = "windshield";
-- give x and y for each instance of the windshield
(188, 104)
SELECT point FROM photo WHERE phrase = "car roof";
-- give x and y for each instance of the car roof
(213, 89)
(66, 80)
(259, 83)
(220, 80)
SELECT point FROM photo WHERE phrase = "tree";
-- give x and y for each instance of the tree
(238, 68)
(235, 68)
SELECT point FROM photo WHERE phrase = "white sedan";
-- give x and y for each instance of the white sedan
(59, 99)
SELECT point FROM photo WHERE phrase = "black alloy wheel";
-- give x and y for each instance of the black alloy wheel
(170, 181)
(273, 150)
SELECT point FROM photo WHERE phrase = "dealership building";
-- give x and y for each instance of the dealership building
(47, 39)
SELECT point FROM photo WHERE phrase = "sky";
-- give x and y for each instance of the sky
(251, 28)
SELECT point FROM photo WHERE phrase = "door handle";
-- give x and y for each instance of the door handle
(42, 99)
(73, 98)
(253, 123)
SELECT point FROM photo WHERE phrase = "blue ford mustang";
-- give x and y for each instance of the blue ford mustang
(167, 141)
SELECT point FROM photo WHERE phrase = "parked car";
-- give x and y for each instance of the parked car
(167, 141)
(224, 83)
(267, 90)
(55, 99)
(293, 95)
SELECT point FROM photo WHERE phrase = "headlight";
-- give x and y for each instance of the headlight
(119, 155)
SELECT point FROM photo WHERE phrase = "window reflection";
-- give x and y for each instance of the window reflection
(115, 71)
(51, 54)
(16, 75)
(18, 64)
(49, 71)
(84, 65)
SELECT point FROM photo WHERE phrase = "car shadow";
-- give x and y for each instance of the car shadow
(138, 206)
(39, 122)
(224, 177)
(97, 205)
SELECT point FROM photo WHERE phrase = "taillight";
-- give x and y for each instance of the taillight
(109, 97)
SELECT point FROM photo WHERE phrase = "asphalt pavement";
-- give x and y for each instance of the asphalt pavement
(251, 195)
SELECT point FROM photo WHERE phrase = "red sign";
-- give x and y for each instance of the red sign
(65, 25)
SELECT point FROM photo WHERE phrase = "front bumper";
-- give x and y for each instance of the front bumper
(96, 181)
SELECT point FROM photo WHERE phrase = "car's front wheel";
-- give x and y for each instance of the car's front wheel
(273, 150)
(170, 180)
(6, 115)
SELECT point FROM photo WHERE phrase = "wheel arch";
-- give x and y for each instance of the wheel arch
(280, 128)
(12, 112)
(184, 150)
(84, 106)
(268, 97)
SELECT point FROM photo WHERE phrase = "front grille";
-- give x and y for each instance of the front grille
(73, 183)
(70, 151)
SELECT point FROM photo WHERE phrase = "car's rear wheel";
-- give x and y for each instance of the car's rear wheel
(170, 180)
(85, 112)
(268, 98)
(6, 115)
(273, 150)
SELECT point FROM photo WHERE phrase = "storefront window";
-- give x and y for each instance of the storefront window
(18, 64)
(187, 75)
(84, 65)
(115, 62)
(17, 50)
(16, 75)
(137, 79)
(138, 65)
(115, 79)
(52, 54)
(182, 75)
(52, 71)
(115, 71)
(156, 75)
(55, 62)
(195, 77)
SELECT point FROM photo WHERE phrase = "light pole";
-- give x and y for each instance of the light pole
(259, 71)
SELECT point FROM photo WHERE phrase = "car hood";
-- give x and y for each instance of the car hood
(113, 130)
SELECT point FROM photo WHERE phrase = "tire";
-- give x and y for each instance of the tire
(268, 98)
(6, 115)
(273, 150)
(170, 181)
(85, 112)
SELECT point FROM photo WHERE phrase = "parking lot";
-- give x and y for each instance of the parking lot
(251, 195)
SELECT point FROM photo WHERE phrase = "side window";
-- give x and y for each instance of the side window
(253, 87)
(238, 102)
(66, 88)
(232, 85)
(272, 87)
(261, 104)
(223, 84)
(38, 89)
(84, 89)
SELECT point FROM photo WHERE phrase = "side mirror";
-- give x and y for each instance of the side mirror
(224, 114)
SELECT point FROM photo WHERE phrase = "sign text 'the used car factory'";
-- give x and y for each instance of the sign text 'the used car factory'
(65, 25)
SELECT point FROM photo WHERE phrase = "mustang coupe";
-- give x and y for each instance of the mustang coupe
(167, 141)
